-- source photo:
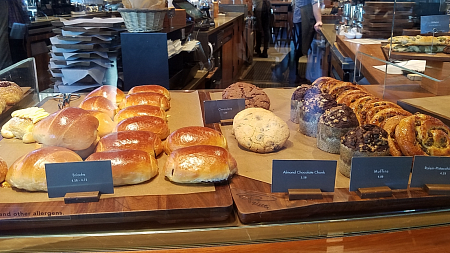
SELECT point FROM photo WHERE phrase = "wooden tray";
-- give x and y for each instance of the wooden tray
(207, 206)
(439, 57)
(255, 203)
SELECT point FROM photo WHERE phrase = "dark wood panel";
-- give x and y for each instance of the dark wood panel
(254, 202)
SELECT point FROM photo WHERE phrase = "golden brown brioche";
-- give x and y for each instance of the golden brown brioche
(374, 110)
(150, 88)
(98, 103)
(140, 110)
(349, 96)
(72, 128)
(194, 135)
(106, 124)
(146, 98)
(3, 170)
(140, 140)
(28, 172)
(422, 134)
(112, 93)
(10, 92)
(202, 163)
(145, 123)
(387, 113)
(389, 125)
(128, 166)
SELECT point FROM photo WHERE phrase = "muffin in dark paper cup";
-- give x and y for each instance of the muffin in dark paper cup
(334, 124)
(363, 141)
(313, 107)
(297, 101)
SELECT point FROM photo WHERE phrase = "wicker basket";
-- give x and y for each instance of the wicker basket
(143, 20)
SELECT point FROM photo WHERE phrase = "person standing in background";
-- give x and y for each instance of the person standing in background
(11, 11)
(5, 53)
(262, 12)
(307, 20)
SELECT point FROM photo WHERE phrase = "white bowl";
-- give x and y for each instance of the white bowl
(350, 35)
(358, 35)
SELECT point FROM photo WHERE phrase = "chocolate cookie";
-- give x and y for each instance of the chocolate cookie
(254, 96)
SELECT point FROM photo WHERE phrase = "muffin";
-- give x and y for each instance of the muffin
(313, 107)
(363, 141)
(297, 101)
(333, 124)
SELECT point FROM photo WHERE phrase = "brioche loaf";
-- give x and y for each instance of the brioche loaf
(150, 88)
(71, 127)
(202, 163)
(110, 92)
(140, 140)
(194, 135)
(145, 98)
(28, 172)
(106, 124)
(140, 110)
(128, 166)
(145, 123)
(98, 103)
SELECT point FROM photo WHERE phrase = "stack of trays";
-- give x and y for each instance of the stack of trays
(84, 53)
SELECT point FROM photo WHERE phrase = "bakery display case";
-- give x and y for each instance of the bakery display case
(159, 214)
(24, 75)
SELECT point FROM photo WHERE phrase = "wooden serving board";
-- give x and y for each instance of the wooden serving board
(139, 205)
(437, 57)
(255, 203)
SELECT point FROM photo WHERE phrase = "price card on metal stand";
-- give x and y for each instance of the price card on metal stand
(390, 171)
(430, 170)
(73, 177)
(303, 174)
(217, 110)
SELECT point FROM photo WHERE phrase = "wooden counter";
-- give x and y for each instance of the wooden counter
(396, 87)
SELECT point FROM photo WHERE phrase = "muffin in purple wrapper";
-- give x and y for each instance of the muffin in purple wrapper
(297, 101)
(313, 107)
(333, 124)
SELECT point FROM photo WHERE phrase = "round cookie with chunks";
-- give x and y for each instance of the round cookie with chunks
(260, 130)
(253, 95)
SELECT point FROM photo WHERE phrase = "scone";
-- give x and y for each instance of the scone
(297, 101)
(10, 92)
(312, 108)
(260, 130)
(254, 96)
(333, 124)
(363, 141)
